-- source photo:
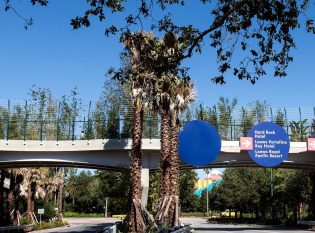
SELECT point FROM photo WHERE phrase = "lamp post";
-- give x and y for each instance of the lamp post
(207, 171)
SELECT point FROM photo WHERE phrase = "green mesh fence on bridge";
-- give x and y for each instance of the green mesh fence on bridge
(51, 120)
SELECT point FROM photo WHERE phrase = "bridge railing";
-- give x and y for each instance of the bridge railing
(54, 121)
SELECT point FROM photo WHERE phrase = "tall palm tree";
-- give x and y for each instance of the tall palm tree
(163, 102)
(166, 69)
(34, 179)
(139, 77)
(183, 95)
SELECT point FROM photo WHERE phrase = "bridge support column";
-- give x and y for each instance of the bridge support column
(144, 186)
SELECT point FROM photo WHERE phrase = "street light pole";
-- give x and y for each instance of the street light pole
(207, 170)
(207, 200)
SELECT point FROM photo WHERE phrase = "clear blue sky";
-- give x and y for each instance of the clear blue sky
(52, 55)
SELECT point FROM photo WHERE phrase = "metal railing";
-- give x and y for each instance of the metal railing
(29, 121)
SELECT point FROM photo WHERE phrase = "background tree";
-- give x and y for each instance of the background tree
(299, 130)
(226, 108)
(280, 118)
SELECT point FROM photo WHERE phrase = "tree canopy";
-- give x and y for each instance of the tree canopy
(261, 30)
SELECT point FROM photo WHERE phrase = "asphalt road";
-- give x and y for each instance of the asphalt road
(201, 225)
(83, 225)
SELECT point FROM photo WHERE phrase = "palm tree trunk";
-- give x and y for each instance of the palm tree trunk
(135, 172)
(10, 206)
(174, 171)
(2, 199)
(29, 202)
(60, 192)
(165, 155)
(18, 181)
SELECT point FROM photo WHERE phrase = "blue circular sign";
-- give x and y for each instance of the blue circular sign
(271, 144)
(199, 143)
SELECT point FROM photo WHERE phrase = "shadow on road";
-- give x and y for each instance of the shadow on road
(236, 229)
(81, 228)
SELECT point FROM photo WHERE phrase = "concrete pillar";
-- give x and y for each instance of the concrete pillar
(144, 186)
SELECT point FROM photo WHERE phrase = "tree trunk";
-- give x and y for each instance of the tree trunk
(18, 181)
(2, 199)
(174, 171)
(10, 206)
(59, 202)
(30, 200)
(134, 224)
(29, 203)
(165, 155)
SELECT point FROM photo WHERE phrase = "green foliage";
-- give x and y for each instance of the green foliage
(226, 108)
(250, 190)
(188, 200)
(49, 209)
(192, 214)
(3, 117)
(207, 114)
(48, 225)
(106, 117)
(69, 214)
(263, 30)
(154, 186)
(299, 130)
(88, 192)
(280, 118)
(68, 110)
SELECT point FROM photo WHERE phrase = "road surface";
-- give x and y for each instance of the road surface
(201, 225)
(82, 225)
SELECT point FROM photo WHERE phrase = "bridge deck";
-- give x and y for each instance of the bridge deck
(114, 154)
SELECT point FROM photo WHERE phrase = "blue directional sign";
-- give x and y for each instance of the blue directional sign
(199, 143)
(271, 144)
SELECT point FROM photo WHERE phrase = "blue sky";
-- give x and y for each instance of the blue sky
(52, 55)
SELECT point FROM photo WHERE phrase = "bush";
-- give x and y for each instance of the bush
(47, 225)
(83, 215)
(193, 214)
(49, 211)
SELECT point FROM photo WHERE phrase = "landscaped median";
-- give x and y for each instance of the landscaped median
(48, 225)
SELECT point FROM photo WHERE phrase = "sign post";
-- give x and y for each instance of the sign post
(40, 212)
(271, 144)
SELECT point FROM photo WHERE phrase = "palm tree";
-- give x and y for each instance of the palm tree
(139, 77)
(298, 130)
(169, 52)
(34, 180)
(183, 95)
(163, 102)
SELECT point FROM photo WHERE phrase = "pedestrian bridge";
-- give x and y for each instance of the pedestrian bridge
(114, 154)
